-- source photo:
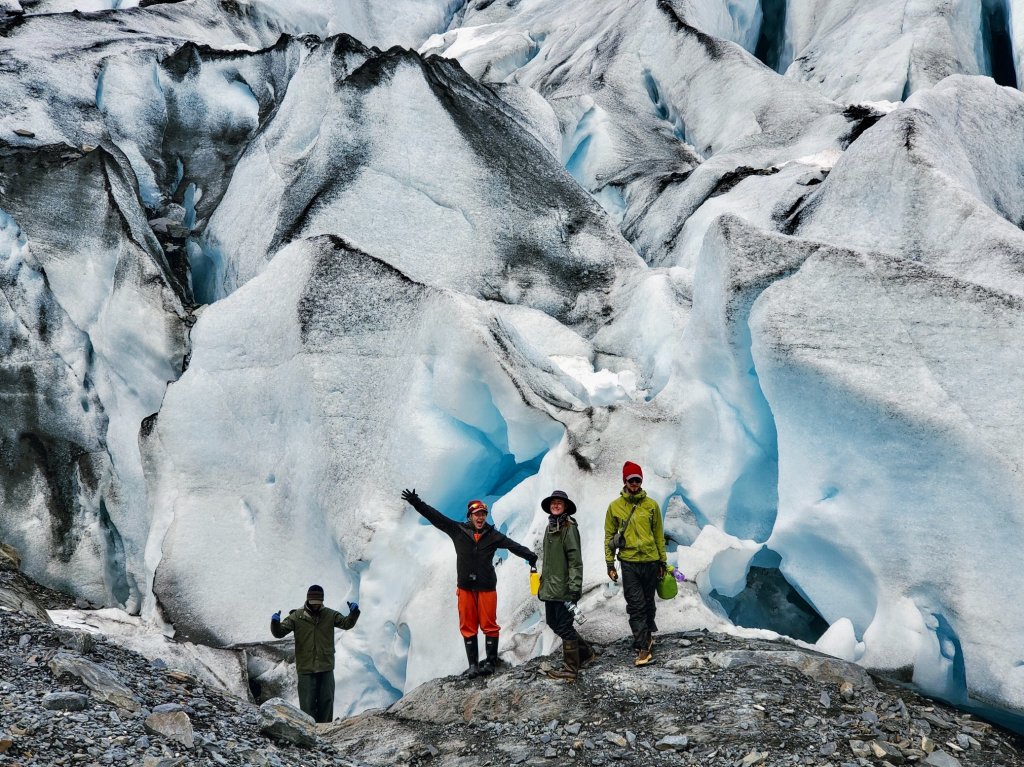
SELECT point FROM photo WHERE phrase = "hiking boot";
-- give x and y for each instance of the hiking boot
(491, 661)
(643, 657)
(570, 662)
(588, 653)
(473, 656)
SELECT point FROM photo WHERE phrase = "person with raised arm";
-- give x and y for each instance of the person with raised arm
(313, 626)
(475, 543)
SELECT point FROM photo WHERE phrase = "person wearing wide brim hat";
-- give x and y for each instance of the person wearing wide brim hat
(561, 581)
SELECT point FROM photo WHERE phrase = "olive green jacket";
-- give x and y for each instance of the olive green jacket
(561, 576)
(314, 636)
(644, 535)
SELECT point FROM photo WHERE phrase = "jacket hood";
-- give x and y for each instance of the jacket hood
(636, 497)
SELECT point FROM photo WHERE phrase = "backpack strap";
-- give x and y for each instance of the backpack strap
(626, 523)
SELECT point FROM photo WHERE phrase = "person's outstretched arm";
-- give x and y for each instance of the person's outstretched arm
(518, 549)
(432, 515)
(347, 621)
(281, 628)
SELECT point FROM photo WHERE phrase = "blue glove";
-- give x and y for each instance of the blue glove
(353, 607)
(276, 617)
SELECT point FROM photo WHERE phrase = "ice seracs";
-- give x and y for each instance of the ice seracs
(264, 270)
(933, 182)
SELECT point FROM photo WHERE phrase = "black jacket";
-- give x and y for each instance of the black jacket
(474, 560)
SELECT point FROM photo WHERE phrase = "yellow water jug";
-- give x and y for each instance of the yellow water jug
(534, 581)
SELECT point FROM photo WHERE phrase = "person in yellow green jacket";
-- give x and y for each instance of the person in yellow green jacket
(314, 626)
(642, 555)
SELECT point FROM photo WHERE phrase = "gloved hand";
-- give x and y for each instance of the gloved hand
(410, 497)
(661, 570)
(276, 617)
(613, 573)
(575, 597)
(353, 607)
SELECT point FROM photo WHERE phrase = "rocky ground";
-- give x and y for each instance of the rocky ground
(69, 698)
(710, 699)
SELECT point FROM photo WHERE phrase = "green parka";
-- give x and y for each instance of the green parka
(562, 570)
(314, 636)
(644, 536)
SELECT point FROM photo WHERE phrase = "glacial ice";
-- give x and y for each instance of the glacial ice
(263, 271)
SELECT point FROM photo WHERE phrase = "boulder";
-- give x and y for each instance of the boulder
(82, 642)
(9, 558)
(821, 668)
(14, 596)
(283, 721)
(104, 684)
(65, 701)
(941, 759)
(672, 743)
(173, 725)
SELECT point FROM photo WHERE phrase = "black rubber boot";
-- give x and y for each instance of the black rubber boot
(491, 661)
(473, 656)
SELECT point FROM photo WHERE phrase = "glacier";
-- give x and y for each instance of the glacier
(265, 265)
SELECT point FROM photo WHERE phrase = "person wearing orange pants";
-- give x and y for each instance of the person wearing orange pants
(478, 610)
(475, 543)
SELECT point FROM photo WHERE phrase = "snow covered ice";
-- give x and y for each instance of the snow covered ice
(267, 264)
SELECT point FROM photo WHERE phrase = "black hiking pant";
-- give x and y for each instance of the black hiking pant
(316, 695)
(639, 582)
(560, 621)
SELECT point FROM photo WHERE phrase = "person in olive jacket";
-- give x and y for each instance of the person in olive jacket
(642, 555)
(561, 581)
(475, 543)
(314, 626)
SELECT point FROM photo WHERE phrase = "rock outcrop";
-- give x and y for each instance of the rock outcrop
(710, 699)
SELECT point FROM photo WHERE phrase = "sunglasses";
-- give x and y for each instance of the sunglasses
(634, 481)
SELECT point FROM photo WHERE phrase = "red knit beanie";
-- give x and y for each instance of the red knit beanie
(475, 506)
(630, 469)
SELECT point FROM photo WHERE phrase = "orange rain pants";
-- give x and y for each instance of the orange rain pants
(478, 610)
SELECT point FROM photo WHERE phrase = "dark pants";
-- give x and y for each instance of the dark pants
(560, 621)
(639, 582)
(316, 695)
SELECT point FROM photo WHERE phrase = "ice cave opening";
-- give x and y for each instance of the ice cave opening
(997, 42)
(769, 601)
(771, 40)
